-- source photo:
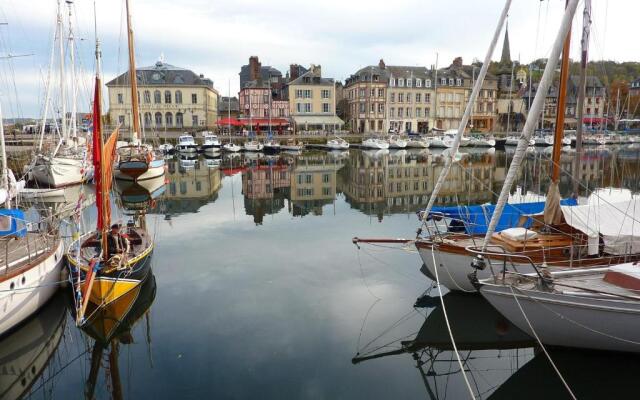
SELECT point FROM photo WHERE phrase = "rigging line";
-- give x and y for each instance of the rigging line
(446, 319)
(364, 280)
(564, 382)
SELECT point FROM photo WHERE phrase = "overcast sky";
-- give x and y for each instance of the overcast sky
(216, 37)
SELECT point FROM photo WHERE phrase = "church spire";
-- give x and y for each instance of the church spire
(506, 52)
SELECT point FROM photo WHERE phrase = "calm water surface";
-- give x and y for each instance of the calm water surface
(258, 291)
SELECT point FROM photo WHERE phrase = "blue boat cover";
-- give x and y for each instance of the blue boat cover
(475, 219)
(12, 222)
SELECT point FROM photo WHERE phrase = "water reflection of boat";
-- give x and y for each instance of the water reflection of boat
(26, 351)
(111, 326)
(140, 195)
(480, 332)
(375, 154)
(64, 201)
(589, 374)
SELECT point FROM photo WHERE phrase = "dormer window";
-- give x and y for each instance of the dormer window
(418, 82)
(458, 82)
(376, 78)
(392, 82)
(409, 83)
(401, 82)
(450, 81)
(443, 81)
(427, 83)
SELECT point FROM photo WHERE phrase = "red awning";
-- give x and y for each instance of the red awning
(265, 121)
(229, 121)
(595, 120)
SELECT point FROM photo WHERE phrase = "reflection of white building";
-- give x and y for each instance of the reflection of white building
(189, 188)
(313, 183)
(169, 98)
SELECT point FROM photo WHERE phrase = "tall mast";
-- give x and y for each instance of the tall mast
(135, 114)
(5, 171)
(74, 87)
(467, 112)
(229, 106)
(586, 27)
(560, 110)
(63, 97)
(47, 97)
(534, 114)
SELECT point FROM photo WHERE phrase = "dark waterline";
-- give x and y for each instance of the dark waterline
(259, 292)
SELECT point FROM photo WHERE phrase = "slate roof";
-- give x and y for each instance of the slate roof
(163, 74)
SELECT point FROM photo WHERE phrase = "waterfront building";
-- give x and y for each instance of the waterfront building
(170, 98)
(365, 92)
(634, 87)
(312, 102)
(255, 69)
(410, 99)
(228, 107)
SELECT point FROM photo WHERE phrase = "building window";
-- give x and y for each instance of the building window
(400, 97)
(426, 112)
(157, 97)
(380, 125)
(326, 178)
(418, 97)
(167, 97)
(380, 107)
(298, 93)
(392, 82)
(325, 107)
(158, 117)
(408, 112)
(373, 107)
(392, 112)
(194, 98)
(147, 119)
(179, 120)
(168, 119)
(459, 82)
(427, 97)
(418, 113)
(307, 107)
(120, 99)
(307, 94)
(361, 93)
(393, 97)
(427, 83)
(178, 97)
(147, 96)
(380, 92)
(325, 94)
(361, 107)
(138, 97)
(400, 112)
(401, 82)
(194, 120)
(408, 97)
(409, 83)
(326, 191)
(443, 81)
(450, 81)
(121, 119)
(418, 82)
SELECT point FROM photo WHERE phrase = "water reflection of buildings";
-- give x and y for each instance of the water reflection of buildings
(399, 182)
(313, 183)
(190, 185)
(265, 185)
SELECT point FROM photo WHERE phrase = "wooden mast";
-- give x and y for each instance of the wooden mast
(135, 114)
(560, 109)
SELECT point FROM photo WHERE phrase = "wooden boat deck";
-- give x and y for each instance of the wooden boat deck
(16, 254)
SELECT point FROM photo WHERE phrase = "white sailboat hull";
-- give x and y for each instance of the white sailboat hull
(570, 320)
(441, 143)
(59, 171)
(375, 144)
(454, 269)
(151, 173)
(23, 294)
(337, 145)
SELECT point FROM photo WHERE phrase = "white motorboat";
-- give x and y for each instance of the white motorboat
(594, 308)
(396, 142)
(231, 147)
(418, 142)
(337, 143)
(211, 142)
(292, 145)
(253, 145)
(451, 134)
(544, 140)
(513, 141)
(375, 143)
(482, 141)
(186, 144)
(443, 142)
(272, 145)
(166, 148)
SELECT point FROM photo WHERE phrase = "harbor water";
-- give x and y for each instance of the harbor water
(258, 292)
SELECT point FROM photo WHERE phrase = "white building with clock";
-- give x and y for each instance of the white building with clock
(170, 98)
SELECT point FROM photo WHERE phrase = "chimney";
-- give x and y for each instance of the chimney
(381, 64)
(457, 62)
(316, 70)
(254, 68)
(294, 70)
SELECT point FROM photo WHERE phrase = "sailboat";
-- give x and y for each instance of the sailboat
(100, 276)
(31, 261)
(67, 164)
(137, 161)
